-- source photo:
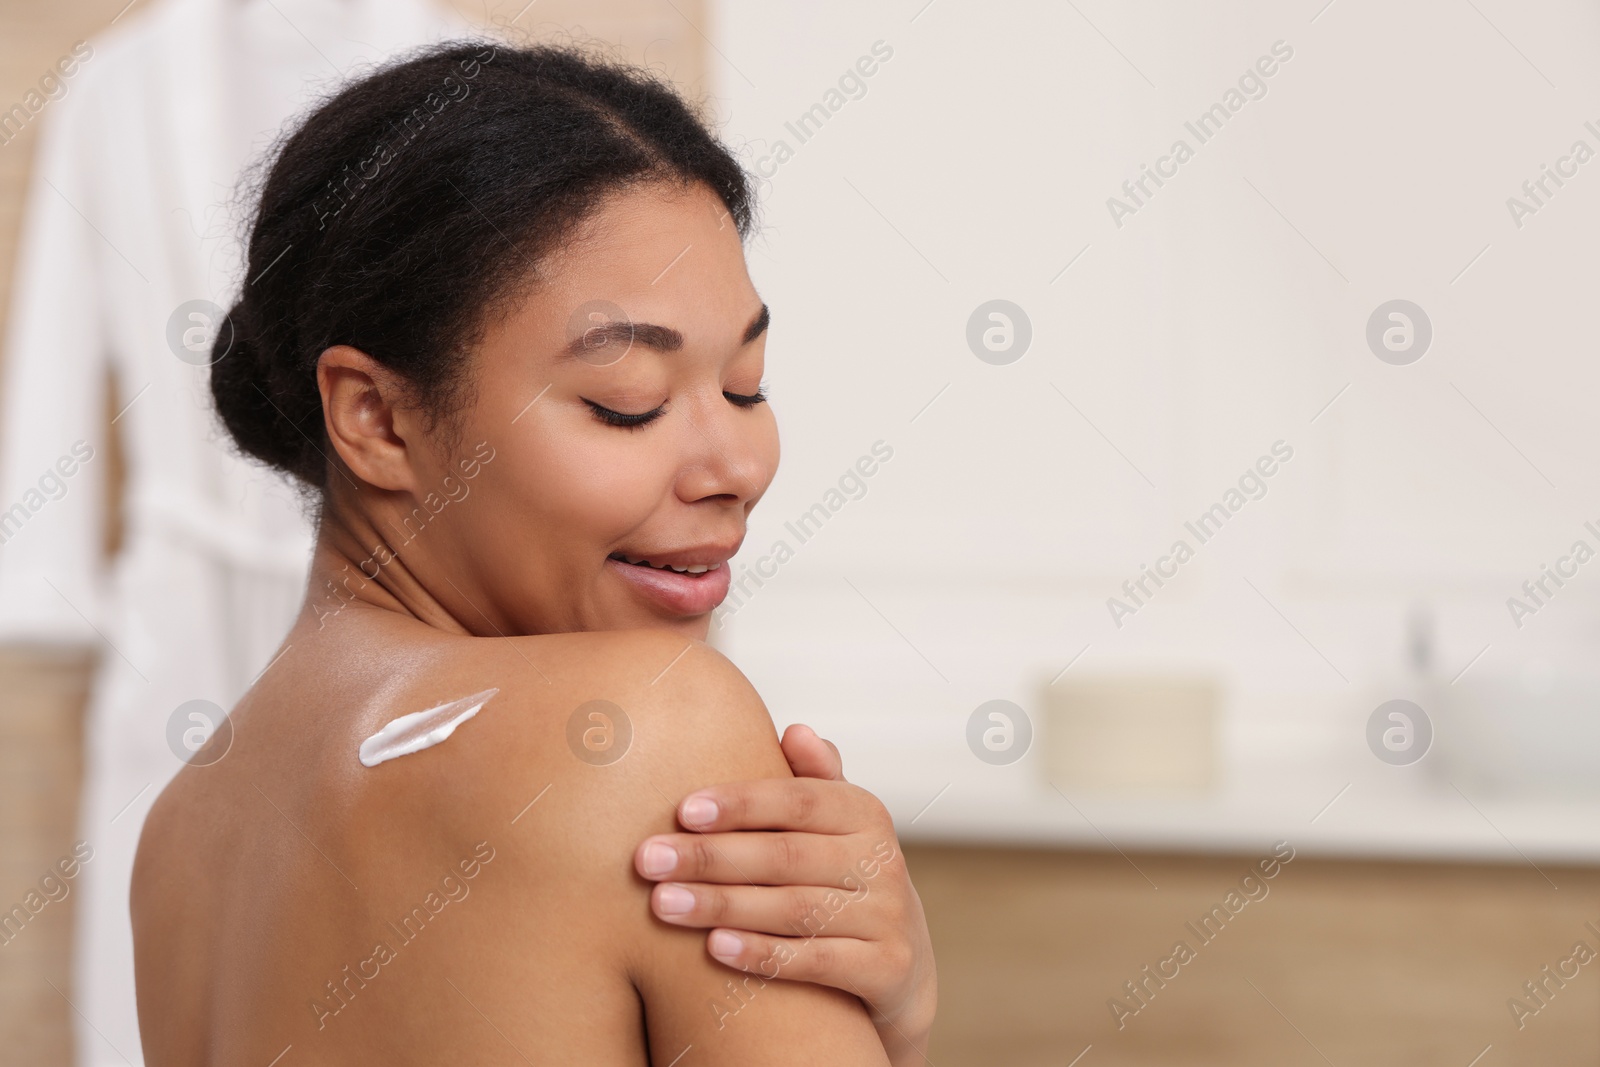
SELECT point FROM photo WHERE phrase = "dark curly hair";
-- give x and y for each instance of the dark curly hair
(415, 202)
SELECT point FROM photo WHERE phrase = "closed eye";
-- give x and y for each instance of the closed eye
(618, 418)
(758, 397)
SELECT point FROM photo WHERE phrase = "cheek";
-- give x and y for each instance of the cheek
(574, 489)
(607, 485)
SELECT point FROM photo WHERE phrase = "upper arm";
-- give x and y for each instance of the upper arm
(704, 724)
(694, 721)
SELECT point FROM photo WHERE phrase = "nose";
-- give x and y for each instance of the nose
(729, 454)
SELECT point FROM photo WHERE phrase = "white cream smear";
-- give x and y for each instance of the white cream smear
(421, 729)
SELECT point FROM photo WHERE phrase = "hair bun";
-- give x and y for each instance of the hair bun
(242, 390)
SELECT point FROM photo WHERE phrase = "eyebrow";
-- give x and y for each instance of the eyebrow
(649, 335)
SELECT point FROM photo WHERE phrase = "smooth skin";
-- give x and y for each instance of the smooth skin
(277, 890)
(878, 949)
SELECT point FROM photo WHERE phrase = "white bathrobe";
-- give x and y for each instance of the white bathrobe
(132, 211)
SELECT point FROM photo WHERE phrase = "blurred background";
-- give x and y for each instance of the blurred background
(1186, 417)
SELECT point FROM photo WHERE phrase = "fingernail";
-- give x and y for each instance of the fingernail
(725, 945)
(659, 858)
(699, 811)
(674, 900)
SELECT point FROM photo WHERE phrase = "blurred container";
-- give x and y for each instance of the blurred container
(1132, 732)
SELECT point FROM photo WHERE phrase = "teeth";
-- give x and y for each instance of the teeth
(698, 568)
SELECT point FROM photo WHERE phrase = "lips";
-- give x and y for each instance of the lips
(688, 581)
(674, 593)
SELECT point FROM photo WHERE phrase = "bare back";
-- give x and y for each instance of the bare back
(471, 902)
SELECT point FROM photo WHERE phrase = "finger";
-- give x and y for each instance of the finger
(746, 857)
(811, 756)
(808, 756)
(807, 804)
(845, 963)
(780, 910)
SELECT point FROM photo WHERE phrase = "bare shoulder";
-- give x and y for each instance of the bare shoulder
(619, 724)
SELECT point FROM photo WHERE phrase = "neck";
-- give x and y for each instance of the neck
(354, 566)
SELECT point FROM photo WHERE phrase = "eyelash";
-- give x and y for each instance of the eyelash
(635, 422)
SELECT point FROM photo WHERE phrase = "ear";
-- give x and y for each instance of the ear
(367, 418)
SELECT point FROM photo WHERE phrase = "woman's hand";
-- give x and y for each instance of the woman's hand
(821, 896)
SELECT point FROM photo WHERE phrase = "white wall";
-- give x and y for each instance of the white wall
(1221, 317)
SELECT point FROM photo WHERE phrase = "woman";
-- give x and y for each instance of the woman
(498, 323)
